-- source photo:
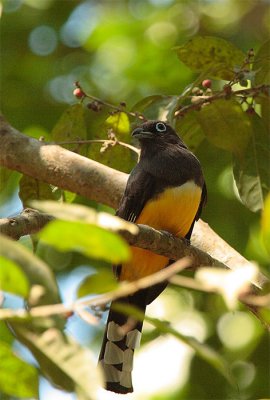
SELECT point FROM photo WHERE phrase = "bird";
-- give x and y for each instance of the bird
(166, 190)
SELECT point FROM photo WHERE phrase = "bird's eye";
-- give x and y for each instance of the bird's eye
(160, 127)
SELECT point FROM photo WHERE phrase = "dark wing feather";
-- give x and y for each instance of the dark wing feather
(139, 190)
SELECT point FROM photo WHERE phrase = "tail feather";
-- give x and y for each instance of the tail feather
(116, 356)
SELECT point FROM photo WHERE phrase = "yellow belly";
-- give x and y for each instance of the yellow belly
(174, 211)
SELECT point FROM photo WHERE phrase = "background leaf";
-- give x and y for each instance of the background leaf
(71, 126)
(251, 170)
(12, 278)
(265, 223)
(33, 189)
(119, 123)
(101, 282)
(64, 361)
(157, 107)
(225, 125)
(261, 64)
(13, 367)
(215, 56)
(190, 130)
(116, 156)
(37, 272)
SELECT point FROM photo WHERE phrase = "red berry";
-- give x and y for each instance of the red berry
(207, 83)
(78, 93)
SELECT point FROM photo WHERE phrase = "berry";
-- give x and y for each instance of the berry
(207, 83)
(78, 93)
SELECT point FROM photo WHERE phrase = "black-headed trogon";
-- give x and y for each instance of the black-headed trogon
(166, 190)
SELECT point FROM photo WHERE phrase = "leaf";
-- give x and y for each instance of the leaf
(101, 282)
(114, 156)
(157, 107)
(63, 361)
(261, 64)
(17, 378)
(12, 279)
(33, 189)
(119, 123)
(202, 350)
(251, 169)
(71, 126)
(8, 183)
(77, 212)
(216, 57)
(87, 239)
(265, 224)
(5, 334)
(37, 272)
(225, 125)
(190, 130)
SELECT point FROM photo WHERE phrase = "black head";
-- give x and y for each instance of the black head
(156, 132)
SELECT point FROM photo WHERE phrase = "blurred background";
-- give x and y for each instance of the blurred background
(121, 51)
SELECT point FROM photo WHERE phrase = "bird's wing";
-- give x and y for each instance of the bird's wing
(140, 188)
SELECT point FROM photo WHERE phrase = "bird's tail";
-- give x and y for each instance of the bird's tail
(122, 336)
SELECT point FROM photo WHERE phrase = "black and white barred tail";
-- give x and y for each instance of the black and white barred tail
(116, 355)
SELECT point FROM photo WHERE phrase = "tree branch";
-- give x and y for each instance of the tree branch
(70, 171)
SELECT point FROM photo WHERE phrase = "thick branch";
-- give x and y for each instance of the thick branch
(28, 222)
(31, 221)
(70, 171)
(62, 168)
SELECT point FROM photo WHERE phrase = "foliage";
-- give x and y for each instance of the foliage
(125, 60)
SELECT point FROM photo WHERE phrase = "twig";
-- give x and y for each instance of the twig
(255, 91)
(28, 222)
(107, 104)
(107, 141)
(124, 289)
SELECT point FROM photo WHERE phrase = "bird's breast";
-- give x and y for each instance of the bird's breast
(173, 210)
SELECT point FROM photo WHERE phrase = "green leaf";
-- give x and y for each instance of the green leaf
(5, 334)
(37, 272)
(12, 279)
(261, 64)
(119, 123)
(78, 212)
(90, 240)
(202, 350)
(114, 156)
(216, 57)
(225, 125)
(17, 378)
(63, 361)
(71, 126)
(251, 169)
(265, 223)
(8, 183)
(265, 111)
(33, 189)
(157, 107)
(190, 130)
(101, 282)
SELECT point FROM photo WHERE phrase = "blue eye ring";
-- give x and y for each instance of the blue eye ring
(160, 127)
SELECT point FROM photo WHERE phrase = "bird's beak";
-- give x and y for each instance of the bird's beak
(139, 133)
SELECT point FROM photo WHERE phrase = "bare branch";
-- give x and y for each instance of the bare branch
(28, 222)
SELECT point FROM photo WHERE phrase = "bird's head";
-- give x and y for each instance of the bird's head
(158, 132)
